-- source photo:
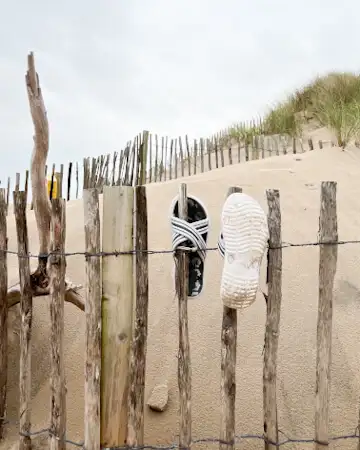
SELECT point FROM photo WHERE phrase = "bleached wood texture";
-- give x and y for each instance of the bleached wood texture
(184, 361)
(272, 326)
(138, 356)
(26, 319)
(117, 313)
(328, 232)
(3, 310)
(57, 263)
(92, 320)
(41, 201)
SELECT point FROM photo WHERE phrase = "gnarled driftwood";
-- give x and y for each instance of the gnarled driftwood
(42, 207)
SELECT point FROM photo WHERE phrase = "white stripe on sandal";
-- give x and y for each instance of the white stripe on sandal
(242, 243)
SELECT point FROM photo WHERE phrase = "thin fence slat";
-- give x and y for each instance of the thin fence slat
(3, 310)
(58, 184)
(162, 163)
(61, 179)
(246, 151)
(26, 319)
(134, 154)
(121, 170)
(171, 158)
(126, 163)
(230, 154)
(216, 153)
(69, 182)
(144, 156)
(17, 182)
(138, 357)
(115, 155)
(166, 158)
(184, 363)
(195, 156)
(26, 184)
(156, 157)
(221, 148)
(57, 265)
(52, 181)
(117, 316)
(202, 155)
(92, 320)
(272, 327)
(151, 158)
(209, 149)
(94, 164)
(7, 195)
(239, 150)
(104, 180)
(262, 147)
(328, 232)
(228, 371)
(188, 154)
(77, 180)
(181, 153)
(176, 159)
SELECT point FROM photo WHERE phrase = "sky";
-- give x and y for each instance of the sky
(110, 69)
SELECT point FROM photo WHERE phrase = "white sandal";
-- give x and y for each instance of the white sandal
(242, 244)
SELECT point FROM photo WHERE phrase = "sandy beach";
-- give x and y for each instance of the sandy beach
(298, 177)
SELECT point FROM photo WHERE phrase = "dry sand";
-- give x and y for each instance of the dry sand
(298, 177)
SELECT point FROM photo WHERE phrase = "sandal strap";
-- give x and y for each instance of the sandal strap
(183, 231)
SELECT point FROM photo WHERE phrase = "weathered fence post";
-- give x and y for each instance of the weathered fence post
(57, 292)
(143, 157)
(228, 371)
(69, 181)
(328, 232)
(272, 327)
(26, 183)
(17, 181)
(3, 310)
(138, 357)
(150, 159)
(58, 185)
(77, 179)
(117, 313)
(7, 195)
(93, 320)
(26, 319)
(184, 362)
(61, 179)
(156, 158)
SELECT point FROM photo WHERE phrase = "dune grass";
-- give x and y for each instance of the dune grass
(332, 101)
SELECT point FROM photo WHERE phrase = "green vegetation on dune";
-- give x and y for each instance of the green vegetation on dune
(332, 101)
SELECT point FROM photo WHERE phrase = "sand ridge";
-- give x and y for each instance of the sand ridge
(298, 178)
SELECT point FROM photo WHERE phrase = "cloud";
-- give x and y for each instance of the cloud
(111, 69)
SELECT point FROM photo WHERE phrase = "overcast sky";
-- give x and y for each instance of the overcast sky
(110, 69)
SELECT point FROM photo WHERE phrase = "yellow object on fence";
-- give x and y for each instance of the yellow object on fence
(54, 189)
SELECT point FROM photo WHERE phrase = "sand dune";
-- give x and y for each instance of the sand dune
(298, 177)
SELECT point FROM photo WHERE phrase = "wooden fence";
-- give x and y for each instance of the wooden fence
(111, 417)
(150, 159)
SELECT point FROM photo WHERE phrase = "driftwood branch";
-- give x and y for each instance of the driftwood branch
(71, 294)
(39, 280)
(42, 207)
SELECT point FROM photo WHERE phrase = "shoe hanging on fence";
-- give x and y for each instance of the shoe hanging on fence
(242, 244)
(192, 233)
